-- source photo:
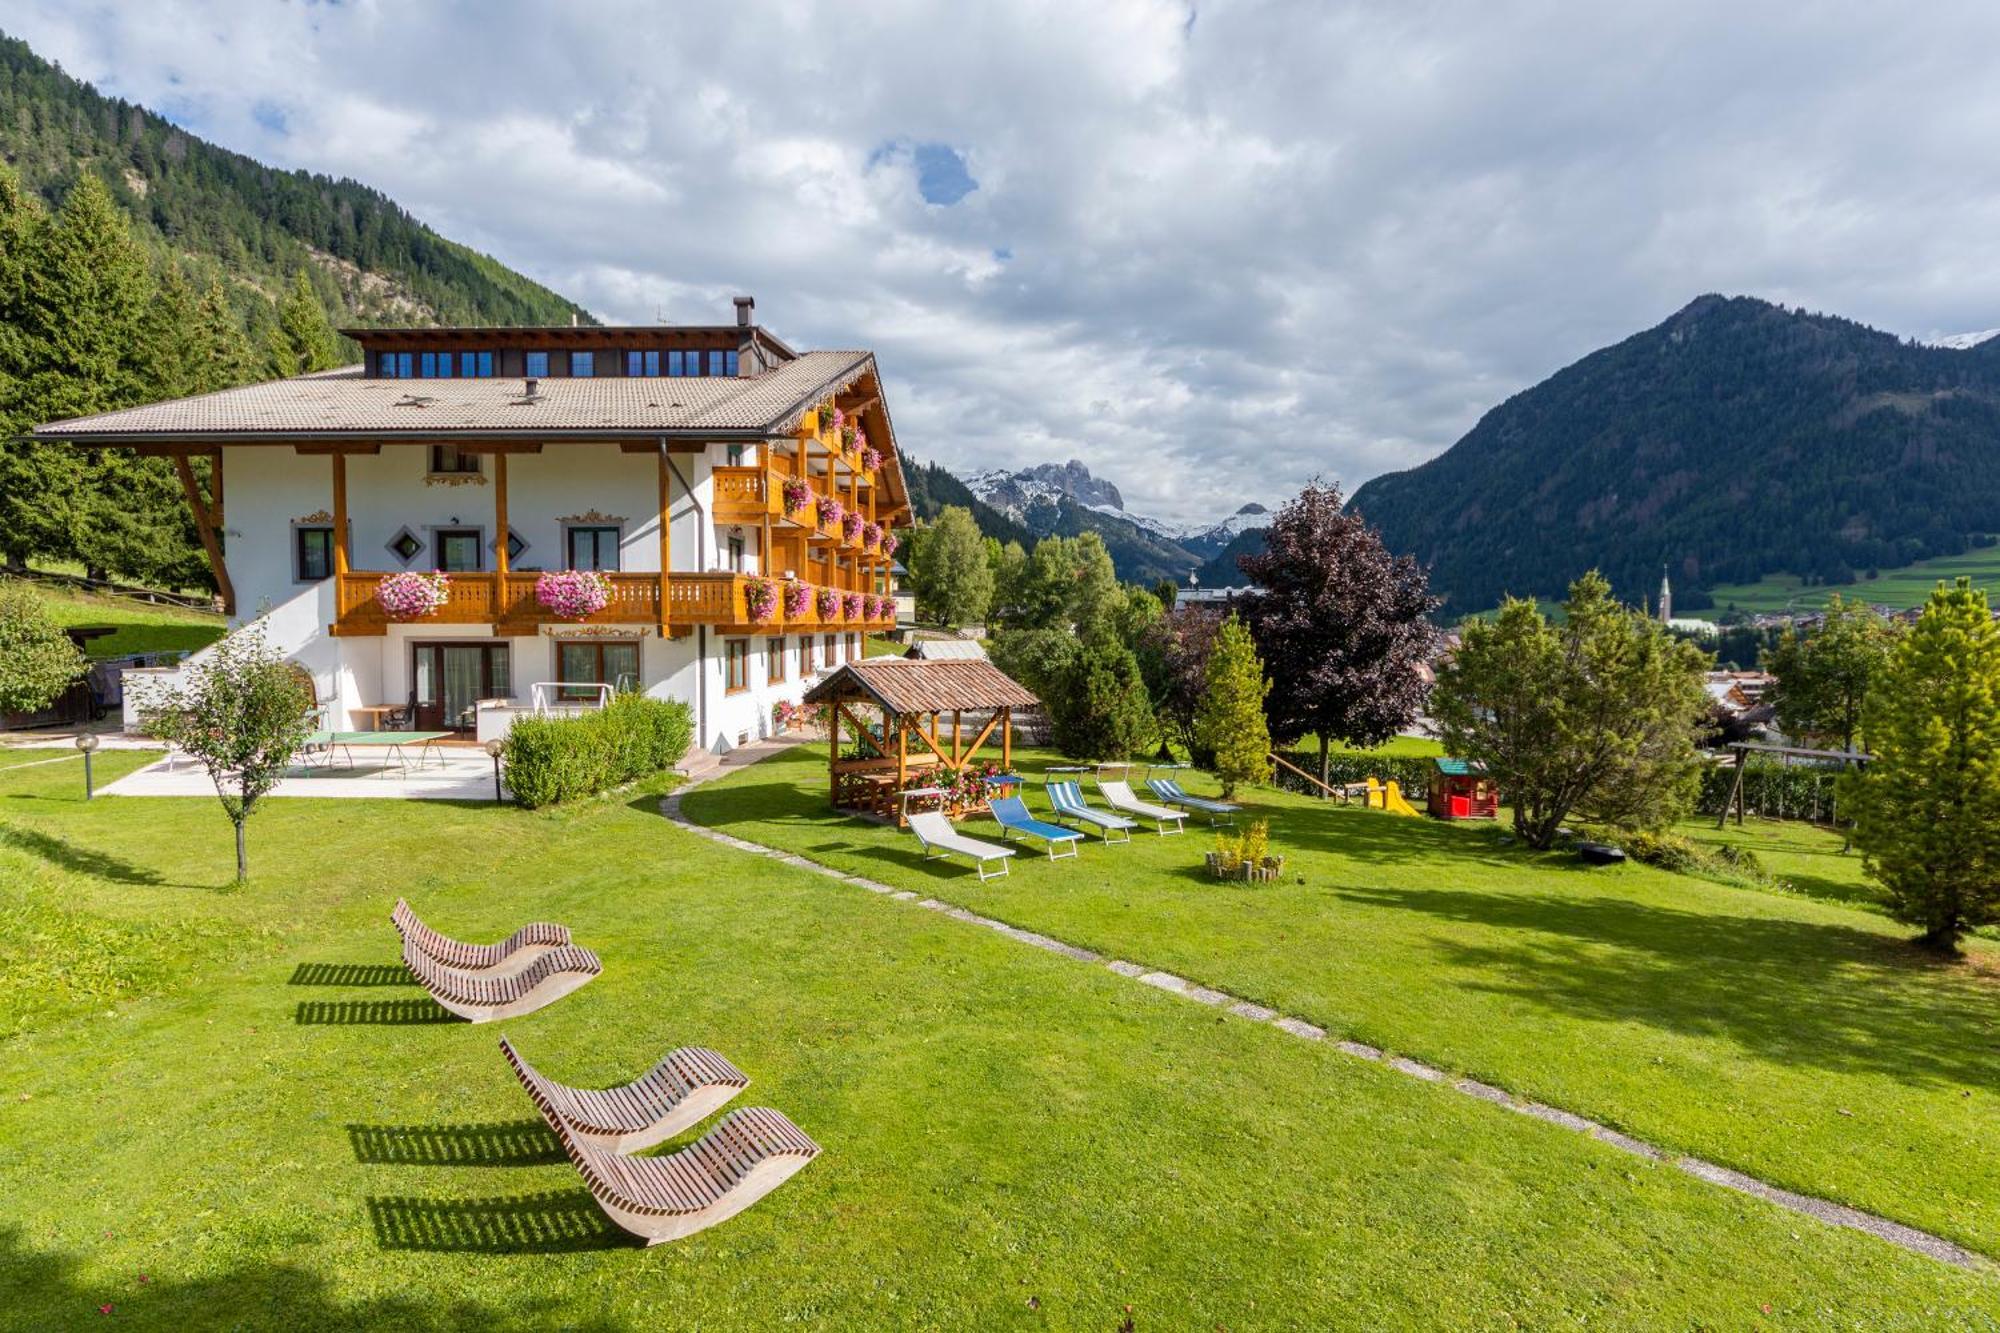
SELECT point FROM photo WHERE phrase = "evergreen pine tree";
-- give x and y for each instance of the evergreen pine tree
(304, 341)
(1927, 808)
(1229, 720)
(31, 474)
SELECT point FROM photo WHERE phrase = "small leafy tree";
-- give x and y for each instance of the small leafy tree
(1229, 723)
(1342, 625)
(1173, 656)
(242, 713)
(1927, 808)
(1824, 677)
(1596, 715)
(37, 660)
(948, 567)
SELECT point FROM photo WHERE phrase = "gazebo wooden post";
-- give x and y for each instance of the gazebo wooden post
(833, 752)
(1007, 738)
(902, 749)
(956, 760)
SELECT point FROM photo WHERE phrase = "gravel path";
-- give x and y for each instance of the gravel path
(1824, 1210)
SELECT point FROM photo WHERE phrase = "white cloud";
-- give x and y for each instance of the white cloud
(1290, 239)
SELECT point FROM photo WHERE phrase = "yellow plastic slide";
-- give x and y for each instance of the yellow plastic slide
(1388, 797)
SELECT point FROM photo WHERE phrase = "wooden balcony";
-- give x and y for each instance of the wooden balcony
(507, 603)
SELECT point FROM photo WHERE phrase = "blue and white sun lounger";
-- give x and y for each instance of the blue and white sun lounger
(1012, 812)
(1170, 791)
(1067, 800)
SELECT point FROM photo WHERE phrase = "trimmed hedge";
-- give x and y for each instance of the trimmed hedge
(1410, 772)
(1774, 790)
(553, 759)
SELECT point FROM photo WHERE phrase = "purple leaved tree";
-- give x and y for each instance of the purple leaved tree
(1342, 625)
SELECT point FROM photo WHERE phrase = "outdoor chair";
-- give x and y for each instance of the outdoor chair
(678, 1093)
(1218, 812)
(481, 999)
(1066, 798)
(749, 1154)
(1012, 813)
(1118, 795)
(511, 955)
(938, 836)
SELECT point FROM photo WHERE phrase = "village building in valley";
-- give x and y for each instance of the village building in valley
(736, 496)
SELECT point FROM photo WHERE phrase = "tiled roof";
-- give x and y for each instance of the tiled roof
(346, 402)
(907, 685)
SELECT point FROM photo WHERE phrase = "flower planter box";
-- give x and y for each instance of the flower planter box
(1264, 872)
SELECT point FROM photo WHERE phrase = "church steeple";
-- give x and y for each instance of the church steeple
(1666, 598)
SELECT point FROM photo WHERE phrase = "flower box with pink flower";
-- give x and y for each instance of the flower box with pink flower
(412, 596)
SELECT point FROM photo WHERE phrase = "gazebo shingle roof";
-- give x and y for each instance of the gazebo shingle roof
(908, 685)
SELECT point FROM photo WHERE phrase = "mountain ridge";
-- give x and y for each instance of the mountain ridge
(1734, 439)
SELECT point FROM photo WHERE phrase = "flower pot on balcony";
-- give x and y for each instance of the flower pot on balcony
(573, 594)
(413, 596)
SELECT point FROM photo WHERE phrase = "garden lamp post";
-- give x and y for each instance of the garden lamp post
(87, 742)
(496, 748)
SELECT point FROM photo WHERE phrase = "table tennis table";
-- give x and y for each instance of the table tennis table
(397, 747)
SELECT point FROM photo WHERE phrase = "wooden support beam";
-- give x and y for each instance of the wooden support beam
(340, 542)
(1006, 716)
(934, 748)
(204, 526)
(980, 740)
(337, 450)
(957, 717)
(866, 736)
(500, 513)
(215, 489)
(666, 537)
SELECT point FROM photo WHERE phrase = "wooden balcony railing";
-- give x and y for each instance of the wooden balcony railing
(751, 494)
(507, 602)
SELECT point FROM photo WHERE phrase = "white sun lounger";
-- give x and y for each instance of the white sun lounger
(1066, 799)
(1118, 795)
(937, 835)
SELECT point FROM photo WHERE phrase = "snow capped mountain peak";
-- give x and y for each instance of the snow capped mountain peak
(1960, 342)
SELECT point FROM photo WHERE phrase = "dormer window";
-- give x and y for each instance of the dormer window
(535, 365)
(642, 363)
(435, 365)
(475, 365)
(395, 365)
(583, 364)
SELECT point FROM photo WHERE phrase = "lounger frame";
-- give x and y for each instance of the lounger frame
(481, 999)
(1031, 827)
(1073, 807)
(975, 851)
(1126, 801)
(1218, 812)
(686, 1087)
(514, 954)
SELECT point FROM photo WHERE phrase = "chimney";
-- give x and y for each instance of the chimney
(744, 305)
(534, 388)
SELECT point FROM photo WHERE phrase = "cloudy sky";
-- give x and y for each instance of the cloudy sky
(1210, 250)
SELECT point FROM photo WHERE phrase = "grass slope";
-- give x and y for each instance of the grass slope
(1906, 587)
(1795, 1039)
(142, 626)
(1012, 1140)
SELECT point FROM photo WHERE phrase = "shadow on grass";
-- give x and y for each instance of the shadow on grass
(48, 1289)
(1809, 994)
(351, 974)
(362, 1013)
(504, 1143)
(557, 1222)
(68, 856)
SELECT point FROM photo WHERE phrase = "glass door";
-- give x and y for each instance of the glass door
(448, 679)
(457, 549)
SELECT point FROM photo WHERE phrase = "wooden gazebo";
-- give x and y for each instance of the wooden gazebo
(912, 700)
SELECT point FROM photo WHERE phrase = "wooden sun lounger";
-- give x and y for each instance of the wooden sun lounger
(511, 955)
(681, 1091)
(1012, 814)
(749, 1154)
(1066, 799)
(936, 834)
(1170, 791)
(1118, 795)
(481, 999)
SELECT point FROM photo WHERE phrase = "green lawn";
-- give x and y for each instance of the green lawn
(142, 627)
(200, 1134)
(1796, 1039)
(1909, 586)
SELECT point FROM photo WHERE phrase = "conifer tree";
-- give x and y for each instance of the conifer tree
(1098, 707)
(31, 474)
(1229, 721)
(1927, 808)
(1824, 677)
(303, 341)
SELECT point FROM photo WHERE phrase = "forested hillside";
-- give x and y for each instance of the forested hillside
(139, 263)
(369, 260)
(1736, 439)
(932, 488)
